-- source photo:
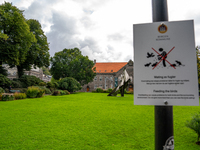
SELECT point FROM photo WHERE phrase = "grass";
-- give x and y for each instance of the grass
(87, 121)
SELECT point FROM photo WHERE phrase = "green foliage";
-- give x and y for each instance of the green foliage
(70, 84)
(198, 63)
(62, 92)
(46, 71)
(32, 92)
(47, 91)
(67, 93)
(49, 85)
(56, 93)
(42, 84)
(2, 90)
(16, 84)
(40, 93)
(129, 92)
(3, 71)
(17, 37)
(194, 124)
(38, 53)
(99, 90)
(7, 97)
(19, 95)
(71, 63)
(29, 80)
(4, 81)
(109, 90)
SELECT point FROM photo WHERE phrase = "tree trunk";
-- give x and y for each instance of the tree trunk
(20, 71)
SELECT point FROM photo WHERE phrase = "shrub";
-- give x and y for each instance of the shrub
(49, 85)
(62, 92)
(4, 81)
(19, 95)
(67, 93)
(6, 90)
(29, 80)
(56, 93)
(32, 92)
(40, 93)
(99, 90)
(42, 84)
(194, 124)
(129, 92)
(70, 84)
(2, 90)
(47, 91)
(109, 90)
(16, 84)
(7, 97)
(0, 97)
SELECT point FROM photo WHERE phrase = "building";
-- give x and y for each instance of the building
(12, 73)
(107, 75)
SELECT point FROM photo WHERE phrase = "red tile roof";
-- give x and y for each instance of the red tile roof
(109, 67)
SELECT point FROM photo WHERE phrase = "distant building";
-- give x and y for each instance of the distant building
(107, 75)
(12, 73)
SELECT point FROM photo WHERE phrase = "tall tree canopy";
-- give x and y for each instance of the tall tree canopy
(38, 54)
(71, 63)
(15, 37)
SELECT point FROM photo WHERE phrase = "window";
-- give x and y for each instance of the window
(100, 78)
(95, 86)
(95, 78)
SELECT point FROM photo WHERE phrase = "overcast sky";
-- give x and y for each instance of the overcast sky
(101, 29)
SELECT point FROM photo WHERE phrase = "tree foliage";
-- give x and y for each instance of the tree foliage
(15, 38)
(71, 63)
(4, 81)
(38, 54)
(69, 84)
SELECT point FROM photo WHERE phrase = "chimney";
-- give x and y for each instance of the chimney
(94, 61)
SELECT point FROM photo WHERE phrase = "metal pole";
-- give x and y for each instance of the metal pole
(163, 114)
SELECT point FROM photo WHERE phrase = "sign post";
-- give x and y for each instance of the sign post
(165, 69)
(163, 114)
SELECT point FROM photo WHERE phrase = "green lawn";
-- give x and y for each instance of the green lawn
(87, 121)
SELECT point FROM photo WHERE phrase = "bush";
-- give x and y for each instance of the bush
(2, 90)
(16, 84)
(29, 81)
(32, 92)
(99, 90)
(42, 84)
(62, 92)
(7, 97)
(194, 124)
(109, 90)
(67, 93)
(40, 93)
(4, 81)
(129, 92)
(47, 91)
(70, 84)
(56, 93)
(49, 85)
(19, 95)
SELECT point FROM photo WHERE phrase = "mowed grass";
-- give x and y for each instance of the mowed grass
(87, 121)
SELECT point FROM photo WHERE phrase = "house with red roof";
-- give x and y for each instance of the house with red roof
(107, 75)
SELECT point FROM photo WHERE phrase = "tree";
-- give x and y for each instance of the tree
(71, 63)
(69, 84)
(15, 38)
(38, 54)
(46, 71)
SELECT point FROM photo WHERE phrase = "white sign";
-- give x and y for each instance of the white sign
(165, 64)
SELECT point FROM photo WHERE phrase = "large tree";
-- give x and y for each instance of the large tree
(71, 63)
(15, 38)
(38, 54)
